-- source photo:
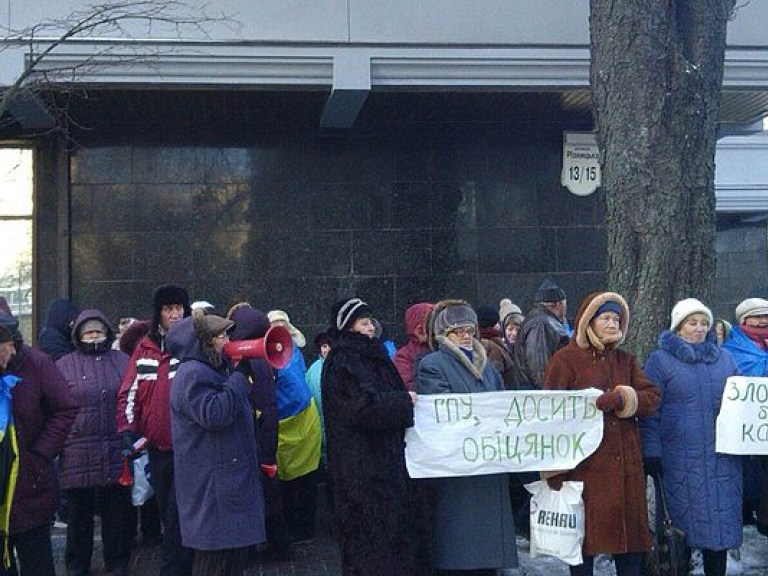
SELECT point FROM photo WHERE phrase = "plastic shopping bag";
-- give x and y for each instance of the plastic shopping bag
(557, 521)
(142, 489)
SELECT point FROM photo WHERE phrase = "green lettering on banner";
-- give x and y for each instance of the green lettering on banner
(532, 440)
(449, 410)
(733, 387)
(547, 446)
(578, 451)
(746, 432)
(474, 454)
(513, 414)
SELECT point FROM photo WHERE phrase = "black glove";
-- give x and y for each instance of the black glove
(652, 466)
(126, 445)
(244, 367)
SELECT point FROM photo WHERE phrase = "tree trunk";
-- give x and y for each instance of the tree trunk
(656, 73)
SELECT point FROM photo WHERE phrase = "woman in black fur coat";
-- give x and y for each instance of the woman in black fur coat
(367, 410)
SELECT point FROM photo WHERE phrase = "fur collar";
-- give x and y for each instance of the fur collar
(707, 352)
(479, 357)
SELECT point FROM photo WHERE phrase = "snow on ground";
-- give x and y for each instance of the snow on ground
(753, 560)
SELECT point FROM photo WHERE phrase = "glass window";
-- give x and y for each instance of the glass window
(16, 204)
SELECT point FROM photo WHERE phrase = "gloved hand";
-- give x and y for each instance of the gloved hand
(652, 466)
(126, 445)
(609, 401)
(556, 482)
(244, 367)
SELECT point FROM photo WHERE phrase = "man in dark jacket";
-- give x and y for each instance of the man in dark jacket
(43, 412)
(541, 335)
(144, 409)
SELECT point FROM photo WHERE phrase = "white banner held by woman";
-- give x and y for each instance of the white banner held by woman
(496, 432)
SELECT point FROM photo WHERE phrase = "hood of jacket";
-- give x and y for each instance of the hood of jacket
(182, 343)
(250, 323)
(60, 313)
(587, 310)
(83, 317)
(415, 316)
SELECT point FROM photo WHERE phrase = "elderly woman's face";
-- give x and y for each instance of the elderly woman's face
(756, 321)
(461, 337)
(606, 325)
(694, 328)
(364, 326)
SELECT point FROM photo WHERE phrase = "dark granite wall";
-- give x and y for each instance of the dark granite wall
(742, 264)
(301, 220)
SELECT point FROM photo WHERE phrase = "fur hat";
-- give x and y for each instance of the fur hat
(487, 316)
(685, 308)
(345, 312)
(452, 317)
(167, 295)
(751, 307)
(548, 292)
(280, 316)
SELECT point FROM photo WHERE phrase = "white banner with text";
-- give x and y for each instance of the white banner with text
(742, 425)
(496, 432)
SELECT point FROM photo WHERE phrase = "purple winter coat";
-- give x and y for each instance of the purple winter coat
(43, 411)
(215, 458)
(91, 455)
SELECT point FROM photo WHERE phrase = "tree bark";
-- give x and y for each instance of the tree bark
(656, 74)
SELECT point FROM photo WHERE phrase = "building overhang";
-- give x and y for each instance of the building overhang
(350, 72)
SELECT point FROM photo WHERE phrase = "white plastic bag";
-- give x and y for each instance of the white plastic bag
(557, 521)
(142, 489)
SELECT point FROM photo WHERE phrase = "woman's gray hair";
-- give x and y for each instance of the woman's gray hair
(452, 317)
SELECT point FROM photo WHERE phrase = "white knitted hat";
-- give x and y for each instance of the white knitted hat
(685, 308)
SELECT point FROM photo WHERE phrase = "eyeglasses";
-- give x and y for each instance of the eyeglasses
(466, 331)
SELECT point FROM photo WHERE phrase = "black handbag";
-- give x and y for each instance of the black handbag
(669, 554)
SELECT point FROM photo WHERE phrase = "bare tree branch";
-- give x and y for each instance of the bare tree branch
(127, 24)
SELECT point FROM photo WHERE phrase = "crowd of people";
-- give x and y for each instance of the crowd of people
(238, 445)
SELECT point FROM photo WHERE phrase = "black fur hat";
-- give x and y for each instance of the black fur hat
(166, 295)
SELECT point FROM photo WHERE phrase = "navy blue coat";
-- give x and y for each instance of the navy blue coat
(703, 488)
(472, 518)
(215, 458)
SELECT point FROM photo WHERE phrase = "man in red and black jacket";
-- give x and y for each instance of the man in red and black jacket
(144, 409)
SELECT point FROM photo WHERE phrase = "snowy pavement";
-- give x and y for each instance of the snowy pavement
(753, 562)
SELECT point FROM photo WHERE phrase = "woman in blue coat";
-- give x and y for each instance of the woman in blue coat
(703, 488)
(472, 523)
(218, 489)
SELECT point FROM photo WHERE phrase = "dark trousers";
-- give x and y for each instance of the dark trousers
(147, 518)
(626, 565)
(34, 551)
(229, 562)
(300, 505)
(113, 504)
(177, 560)
(715, 561)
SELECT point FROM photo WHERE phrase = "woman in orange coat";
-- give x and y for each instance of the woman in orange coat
(614, 481)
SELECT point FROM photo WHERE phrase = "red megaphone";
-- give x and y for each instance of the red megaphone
(276, 348)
